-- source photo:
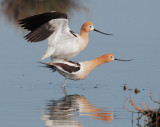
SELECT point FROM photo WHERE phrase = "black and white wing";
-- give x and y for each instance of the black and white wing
(69, 67)
(42, 25)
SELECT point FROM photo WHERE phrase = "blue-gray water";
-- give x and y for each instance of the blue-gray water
(29, 94)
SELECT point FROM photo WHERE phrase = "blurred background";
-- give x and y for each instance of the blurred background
(27, 90)
(15, 10)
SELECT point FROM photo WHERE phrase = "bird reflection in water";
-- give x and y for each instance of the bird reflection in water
(64, 112)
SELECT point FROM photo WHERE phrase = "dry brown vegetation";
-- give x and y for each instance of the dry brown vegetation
(151, 115)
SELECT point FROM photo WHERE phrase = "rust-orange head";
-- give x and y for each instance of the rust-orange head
(87, 26)
(110, 57)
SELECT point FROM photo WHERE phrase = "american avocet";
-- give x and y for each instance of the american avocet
(62, 42)
(79, 71)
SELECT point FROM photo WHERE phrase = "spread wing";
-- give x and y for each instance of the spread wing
(43, 25)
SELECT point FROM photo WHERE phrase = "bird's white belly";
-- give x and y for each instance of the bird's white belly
(64, 47)
(65, 50)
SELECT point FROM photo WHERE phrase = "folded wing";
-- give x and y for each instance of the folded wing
(69, 67)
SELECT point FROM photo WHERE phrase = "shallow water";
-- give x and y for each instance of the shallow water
(31, 95)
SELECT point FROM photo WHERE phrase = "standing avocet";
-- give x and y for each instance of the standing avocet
(79, 71)
(62, 42)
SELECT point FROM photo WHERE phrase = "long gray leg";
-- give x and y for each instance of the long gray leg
(65, 82)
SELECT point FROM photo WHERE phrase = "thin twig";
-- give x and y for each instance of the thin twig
(135, 106)
(129, 110)
(147, 107)
(152, 98)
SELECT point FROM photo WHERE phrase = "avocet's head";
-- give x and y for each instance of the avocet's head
(110, 57)
(88, 26)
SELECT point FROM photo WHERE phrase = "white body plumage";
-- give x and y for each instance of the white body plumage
(62, 42)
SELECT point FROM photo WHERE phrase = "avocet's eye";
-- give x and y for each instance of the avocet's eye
(111, 56)
(90, 26)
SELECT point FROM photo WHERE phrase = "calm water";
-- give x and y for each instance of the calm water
(31, 95)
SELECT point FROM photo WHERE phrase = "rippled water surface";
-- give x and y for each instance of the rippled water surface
(31, 96)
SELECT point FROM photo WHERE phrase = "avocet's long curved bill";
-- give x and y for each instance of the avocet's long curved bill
(101, 32)
(122, 60)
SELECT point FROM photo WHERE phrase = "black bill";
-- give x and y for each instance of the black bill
(122, 60)
(101, 32)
